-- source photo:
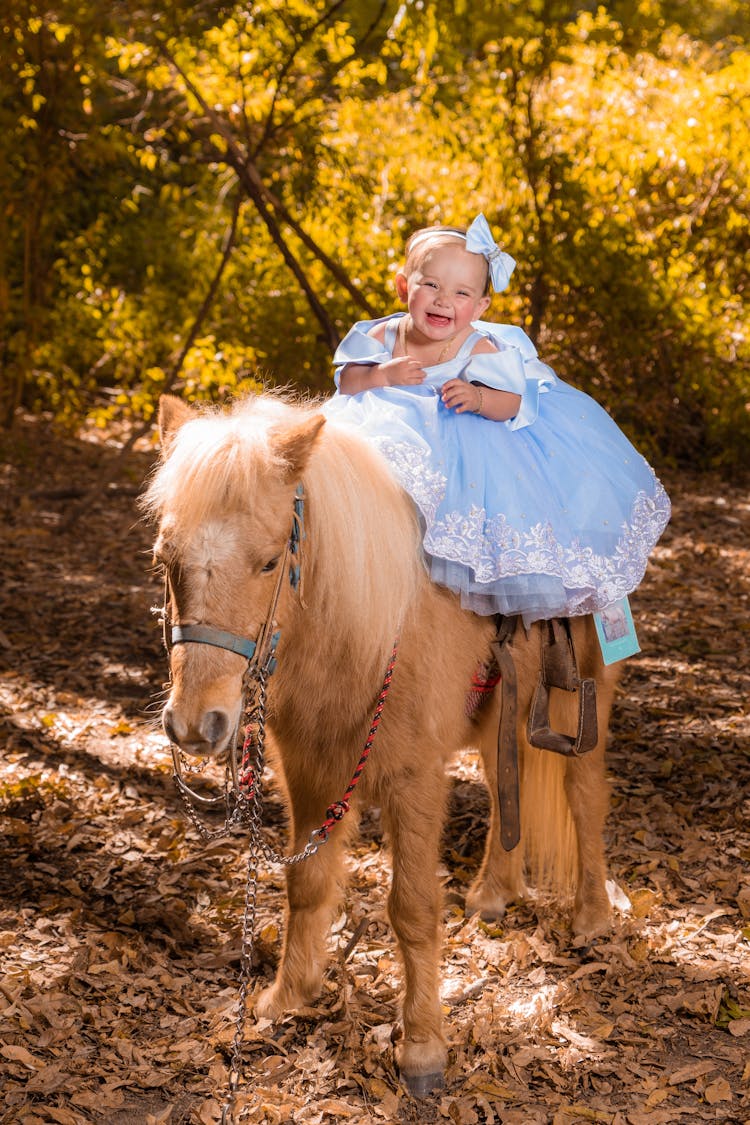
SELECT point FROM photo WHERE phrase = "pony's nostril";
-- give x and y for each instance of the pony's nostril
(207, 734)
(215, 726)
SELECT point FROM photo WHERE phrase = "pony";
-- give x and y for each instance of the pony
(223, 495)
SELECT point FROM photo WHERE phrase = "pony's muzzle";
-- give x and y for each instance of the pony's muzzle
(202, 738)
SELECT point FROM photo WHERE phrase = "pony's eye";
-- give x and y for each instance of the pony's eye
(160, 563)
(164, 551)
(270, 565)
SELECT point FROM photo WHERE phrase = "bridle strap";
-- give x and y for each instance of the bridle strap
(219, 638)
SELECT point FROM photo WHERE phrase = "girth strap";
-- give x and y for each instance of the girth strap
(507, 736)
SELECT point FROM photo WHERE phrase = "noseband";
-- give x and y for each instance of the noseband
(261, 663)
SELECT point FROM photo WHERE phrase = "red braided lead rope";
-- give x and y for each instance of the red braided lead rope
(338, 809)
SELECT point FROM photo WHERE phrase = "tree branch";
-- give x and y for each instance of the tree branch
(249, 175)
(323, 85)
(302, 39)
(208, 300)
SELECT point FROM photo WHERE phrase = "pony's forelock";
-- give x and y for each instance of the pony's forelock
(214, 461)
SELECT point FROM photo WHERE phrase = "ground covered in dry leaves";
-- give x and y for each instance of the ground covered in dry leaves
(119, 931)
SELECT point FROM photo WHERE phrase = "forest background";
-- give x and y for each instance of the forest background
(203, 196)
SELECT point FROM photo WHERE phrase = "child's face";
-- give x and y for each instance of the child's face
(445, 291)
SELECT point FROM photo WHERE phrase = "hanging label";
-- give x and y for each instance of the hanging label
(616, 631)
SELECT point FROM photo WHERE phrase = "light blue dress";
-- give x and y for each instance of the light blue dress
(550, 514)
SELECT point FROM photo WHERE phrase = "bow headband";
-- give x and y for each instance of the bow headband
(479, 240)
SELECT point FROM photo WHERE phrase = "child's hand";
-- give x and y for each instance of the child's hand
(401, 371)
(461, 397)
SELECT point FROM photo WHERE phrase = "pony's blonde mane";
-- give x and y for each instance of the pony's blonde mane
(363, 554)
(370, 561)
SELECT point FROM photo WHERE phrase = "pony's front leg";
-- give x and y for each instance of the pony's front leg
(414, 820)
(312, 888)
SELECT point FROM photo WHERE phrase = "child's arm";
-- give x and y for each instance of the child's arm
(476, 398)
(357, 377)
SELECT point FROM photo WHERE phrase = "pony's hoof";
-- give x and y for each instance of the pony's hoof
(489, 909)
(420, 1064)
(271, 1003)
(490, 917)
(422, 1085)
(589, 924)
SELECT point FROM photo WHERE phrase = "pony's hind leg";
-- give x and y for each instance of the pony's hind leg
(564, 801)
(500, 881)
(588, 797)
(587, 792)
(414, 825)
(501, 876)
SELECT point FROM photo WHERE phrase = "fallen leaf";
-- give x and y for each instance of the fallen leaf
(718, 1091)
(690, 1073)
(660, 1094)
(19, 1054)
(642, 901)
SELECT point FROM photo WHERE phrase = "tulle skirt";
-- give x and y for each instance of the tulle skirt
(555, 519)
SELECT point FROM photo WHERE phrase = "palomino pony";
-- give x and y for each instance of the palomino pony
(224, 497)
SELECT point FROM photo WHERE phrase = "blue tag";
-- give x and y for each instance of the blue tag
(616, 631)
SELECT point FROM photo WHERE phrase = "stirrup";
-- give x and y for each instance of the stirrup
(560, 670)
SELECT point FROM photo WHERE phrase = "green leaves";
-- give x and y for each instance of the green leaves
(732, 1013)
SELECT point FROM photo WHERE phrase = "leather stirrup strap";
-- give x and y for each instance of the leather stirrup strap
(560, 670)
(507, 738)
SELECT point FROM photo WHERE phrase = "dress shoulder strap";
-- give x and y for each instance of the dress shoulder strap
(391, 332)
(466, 348)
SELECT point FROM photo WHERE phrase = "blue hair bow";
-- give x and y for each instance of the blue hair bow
(479, 240)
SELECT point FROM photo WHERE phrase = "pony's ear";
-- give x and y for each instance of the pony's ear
(294, 444)
(173, 413)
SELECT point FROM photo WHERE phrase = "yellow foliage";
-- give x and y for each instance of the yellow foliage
(610, 159)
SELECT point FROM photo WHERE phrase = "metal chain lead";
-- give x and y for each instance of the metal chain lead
(253, 812)
(249, 810)
(241, 808)
(246, 969)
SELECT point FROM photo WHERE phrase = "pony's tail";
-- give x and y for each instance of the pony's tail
(565, 800)
(549, 837)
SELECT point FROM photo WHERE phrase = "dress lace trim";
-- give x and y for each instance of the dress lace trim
(493, 549)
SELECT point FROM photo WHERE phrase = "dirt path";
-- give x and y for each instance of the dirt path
(119, 931)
